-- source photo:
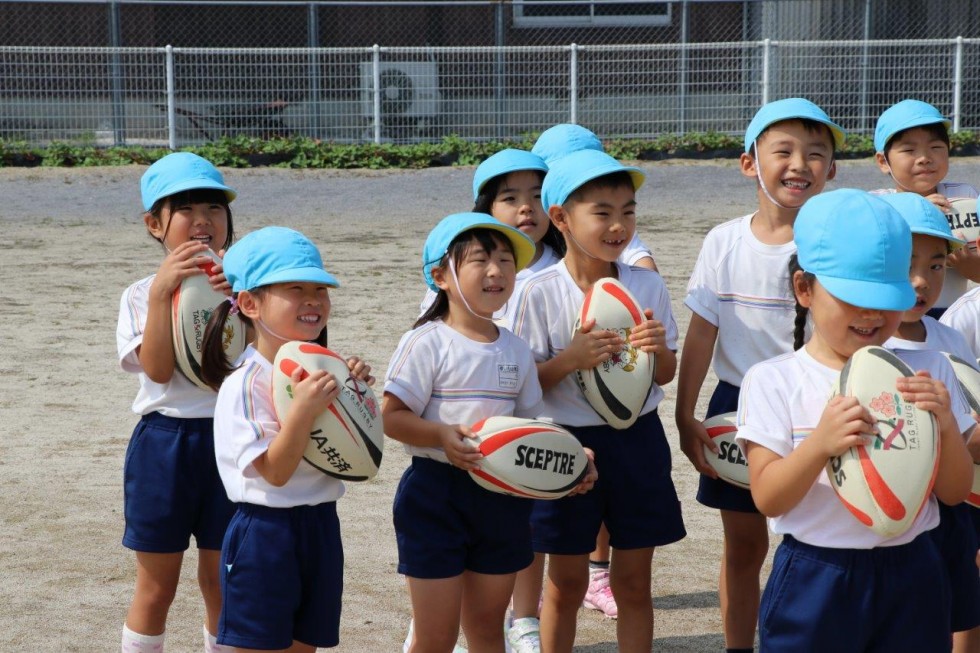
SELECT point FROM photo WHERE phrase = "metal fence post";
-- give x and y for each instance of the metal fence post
(765, 71)
(376, 74)
(865, 59)
(573, 85)
(313, 42)
(958, 84)
(116, 77)
(682, 73)
(171, 99)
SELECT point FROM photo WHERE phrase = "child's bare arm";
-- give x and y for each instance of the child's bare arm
(699, 344)
(405, 426)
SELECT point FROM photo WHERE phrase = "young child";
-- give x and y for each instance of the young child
(563, 139)
(741, 314)
(835, 584)
(460, 545)
(955, 537)
(507, 186)
(172, 489)
(912, 147)
(282, 557)
(591, 199)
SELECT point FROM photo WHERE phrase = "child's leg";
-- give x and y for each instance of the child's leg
(601, 553)
(746, 546)
(435, 608)
(967, 641)
(527, 588)
(568, 578)
(209, 579)
(485, 599)
(157, 575)
(297, 647)
(599, 594)
(629, 575)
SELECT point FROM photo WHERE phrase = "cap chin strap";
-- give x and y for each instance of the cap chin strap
(452, 271)
(762, 181)
(894, 178)
(272, 333)
(580, 247)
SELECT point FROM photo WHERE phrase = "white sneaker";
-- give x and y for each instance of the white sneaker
(524, 636)
(411, 633)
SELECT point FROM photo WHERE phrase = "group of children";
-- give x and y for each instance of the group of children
(779, 298)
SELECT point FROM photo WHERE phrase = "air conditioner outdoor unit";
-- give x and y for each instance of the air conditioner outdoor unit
(409, 89)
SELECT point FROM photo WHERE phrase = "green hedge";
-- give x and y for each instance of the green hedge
(243, 152)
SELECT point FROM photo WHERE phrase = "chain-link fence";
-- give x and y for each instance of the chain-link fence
(183, 72)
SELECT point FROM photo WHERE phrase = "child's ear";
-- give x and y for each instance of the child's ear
(833, 170)
(802, 288)
(248, 305)
(882, 163)
(439, 278)
(559, 217)
(154, 225)
(747, 164)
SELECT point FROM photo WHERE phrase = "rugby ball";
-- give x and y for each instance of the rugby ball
(963, 221)
(617, 388)
(528, 458)
(347, 439)
(731, 465)
(191, 308)
(885, 484)
(969, 379)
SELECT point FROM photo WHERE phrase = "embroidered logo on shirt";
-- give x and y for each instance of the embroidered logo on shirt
(507, 375)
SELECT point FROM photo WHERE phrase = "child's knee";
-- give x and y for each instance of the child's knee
(746, 553)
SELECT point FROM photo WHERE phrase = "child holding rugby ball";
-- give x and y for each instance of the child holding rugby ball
(742, 313)
(932, 241)
(282, 558)
(460, 545)
(590, 197)
(836, 585)
(171, 487)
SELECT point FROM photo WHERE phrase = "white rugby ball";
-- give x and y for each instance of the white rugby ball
(886, 483)
(617, 388)
(963, 221)
(528, 458)
(729, 462)
(191, 308)
(347, 439)
(969, 379)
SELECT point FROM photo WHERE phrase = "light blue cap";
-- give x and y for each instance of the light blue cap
(177, 172)
(794, 108)
(923, 217)
(569, 173)
(563, 139)
(859, 248)
(274, 255)
(905, 115)
(443, 234)
(505, 162)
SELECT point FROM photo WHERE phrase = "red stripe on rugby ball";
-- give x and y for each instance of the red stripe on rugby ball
(496, 481)
(333, 409)
(861, 516)
(716, 431)
(504, 438)
(890, 504)
(585, 305)
(618, 293)
(310, 348)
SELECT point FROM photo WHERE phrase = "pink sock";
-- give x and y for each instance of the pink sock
(211, 644)
(137, 643)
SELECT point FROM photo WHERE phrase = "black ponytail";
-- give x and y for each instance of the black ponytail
(802, 312)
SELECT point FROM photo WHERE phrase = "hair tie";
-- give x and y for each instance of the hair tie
(234, 305)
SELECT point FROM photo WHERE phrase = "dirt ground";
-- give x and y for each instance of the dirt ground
(72, 240)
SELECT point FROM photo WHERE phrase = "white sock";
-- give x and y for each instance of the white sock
(137, 643)
(211, 643)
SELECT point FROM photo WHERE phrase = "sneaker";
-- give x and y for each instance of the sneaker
(599, 596)
(524, 636)
(411, 633)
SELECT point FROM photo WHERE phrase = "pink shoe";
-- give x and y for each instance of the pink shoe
(599, 596)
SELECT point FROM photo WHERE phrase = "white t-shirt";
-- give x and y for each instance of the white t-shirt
(545, 317)
(445, 377)
(635, 251)
(964, 318)
(742, 286)
(504, 316)
(939, 337)
(781, 403)
(245, 424)
(955, 284)
(176, 398)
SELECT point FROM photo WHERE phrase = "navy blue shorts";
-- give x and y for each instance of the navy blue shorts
(634, 496)
(446, 524)
(282, 577)
(957, 544)
(714, 492)
(975, 517)
(171, 486)
(880, 600)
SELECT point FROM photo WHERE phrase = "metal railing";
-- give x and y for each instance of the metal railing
(175, 96)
